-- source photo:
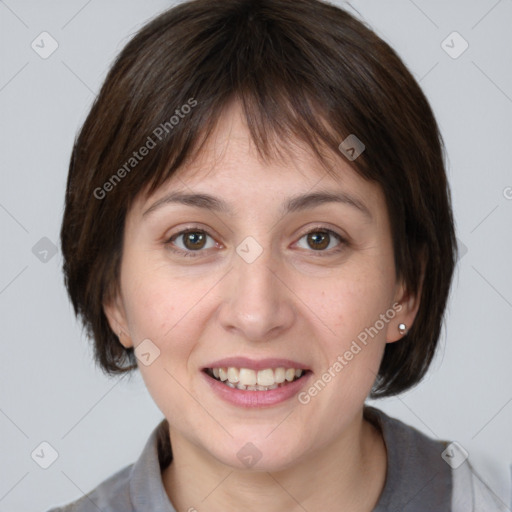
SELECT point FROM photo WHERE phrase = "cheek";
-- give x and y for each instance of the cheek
(351, 334)
(166, 310)
(350, 301)
(156, 302)
(158, 309)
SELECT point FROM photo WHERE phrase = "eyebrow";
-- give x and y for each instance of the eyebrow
(294, 204)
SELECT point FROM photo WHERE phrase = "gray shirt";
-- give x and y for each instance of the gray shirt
(418, 478)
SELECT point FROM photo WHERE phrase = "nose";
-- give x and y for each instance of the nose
(257, 303)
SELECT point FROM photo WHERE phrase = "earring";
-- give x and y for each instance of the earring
(402, 329)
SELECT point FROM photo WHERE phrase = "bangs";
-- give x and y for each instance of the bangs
(250, 60)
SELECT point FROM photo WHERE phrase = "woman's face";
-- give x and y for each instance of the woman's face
(269, 278)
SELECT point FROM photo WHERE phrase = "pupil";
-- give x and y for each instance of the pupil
(319, 236)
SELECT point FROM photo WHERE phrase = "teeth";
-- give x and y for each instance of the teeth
(251, 380)
(290, 374)
(247, 377)
(233, 375)
(279, 375)
(266, 377)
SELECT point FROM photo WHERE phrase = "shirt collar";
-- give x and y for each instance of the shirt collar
(417, 478)
(409, 453)
(147, 491)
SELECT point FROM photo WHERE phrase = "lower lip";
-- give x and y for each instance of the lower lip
(256, 399)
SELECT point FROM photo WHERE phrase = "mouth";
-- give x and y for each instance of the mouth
(247, 379)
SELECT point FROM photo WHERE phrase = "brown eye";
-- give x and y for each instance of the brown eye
(194, 240)
(190, 242)
(318, 240)
(323, 241)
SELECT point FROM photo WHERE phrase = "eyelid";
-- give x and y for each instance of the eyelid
(322, 227)
(191, 228)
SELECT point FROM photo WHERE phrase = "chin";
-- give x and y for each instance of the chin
(258, 453)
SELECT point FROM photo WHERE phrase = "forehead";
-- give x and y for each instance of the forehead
(230, 149)
(229, 165)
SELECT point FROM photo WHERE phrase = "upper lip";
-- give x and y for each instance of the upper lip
(255, 364)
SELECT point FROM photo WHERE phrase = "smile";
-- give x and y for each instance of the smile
(247, 379)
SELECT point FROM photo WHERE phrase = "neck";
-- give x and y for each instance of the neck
(348, 474)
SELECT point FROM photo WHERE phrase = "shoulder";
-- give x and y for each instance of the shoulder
(112, 495)
(479, 491)
(135, 488)
(417, 477)
(429, 474)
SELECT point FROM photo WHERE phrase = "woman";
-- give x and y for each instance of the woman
(258, 219)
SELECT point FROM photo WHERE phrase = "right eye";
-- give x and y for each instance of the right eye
(193, 241)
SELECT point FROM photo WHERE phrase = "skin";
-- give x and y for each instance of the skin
(294, 301)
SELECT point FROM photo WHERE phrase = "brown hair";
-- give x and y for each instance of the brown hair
(302, 70)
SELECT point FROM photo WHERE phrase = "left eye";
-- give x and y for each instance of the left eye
(321, 239)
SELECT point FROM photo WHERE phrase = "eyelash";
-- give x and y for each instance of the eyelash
(316, 229)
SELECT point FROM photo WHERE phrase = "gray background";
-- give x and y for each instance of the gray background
(50, 390)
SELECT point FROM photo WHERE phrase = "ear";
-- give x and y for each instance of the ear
(406, 305)
(115, 312)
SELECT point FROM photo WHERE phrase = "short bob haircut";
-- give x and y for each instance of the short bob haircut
(302, 70)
